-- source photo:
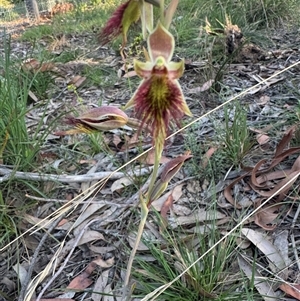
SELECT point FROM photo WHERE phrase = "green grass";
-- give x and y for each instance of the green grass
(235, 137)
(216, 277)
(17, 148)
(100, 76)
(250, 15)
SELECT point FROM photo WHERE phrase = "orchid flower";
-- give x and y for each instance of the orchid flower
(159, 97)
(157, 101)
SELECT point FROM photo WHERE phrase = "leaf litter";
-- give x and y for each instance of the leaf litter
(186, 204)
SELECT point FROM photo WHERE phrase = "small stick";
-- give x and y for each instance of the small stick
(9, 174)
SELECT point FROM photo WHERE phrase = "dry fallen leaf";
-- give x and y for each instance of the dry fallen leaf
(83, 281)
(291, 289)
(44, 223)
(264, 99)
(207, 156)
(120, 184)
(262, 139)
(32, 96)
(36, 66)
(89, 235)
(260, 240)
(203, 88)
(104, 263)
(197, 216)
(265, 216)
(77, 80)
(281, 242)
(21, 272)
(100, 286)
(109, 295)
(262, 285)
(90, 210)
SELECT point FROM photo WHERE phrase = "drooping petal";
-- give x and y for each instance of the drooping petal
(119, 23)
(113, 26)
(161, 43)
(103, 118)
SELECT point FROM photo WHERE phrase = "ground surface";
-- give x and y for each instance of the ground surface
(100, 226)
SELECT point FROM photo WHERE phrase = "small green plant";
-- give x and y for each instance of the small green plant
(40, 84)
(235, 136)
(17, 146)
(67, 56)
(170, 257)
(17, 149)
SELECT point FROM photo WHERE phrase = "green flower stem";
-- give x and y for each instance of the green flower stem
(144, 215)
(145, 202)
(158, 154)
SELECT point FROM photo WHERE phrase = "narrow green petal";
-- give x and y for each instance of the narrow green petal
(176, 69)
(131, 15)
(143, 69)
(170, 13)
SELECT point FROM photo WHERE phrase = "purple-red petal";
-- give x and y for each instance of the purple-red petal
(156, 102)
(113, 26)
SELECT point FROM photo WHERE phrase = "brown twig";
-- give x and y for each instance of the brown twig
(9, 174)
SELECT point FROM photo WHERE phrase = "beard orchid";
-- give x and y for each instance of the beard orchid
(159, 99)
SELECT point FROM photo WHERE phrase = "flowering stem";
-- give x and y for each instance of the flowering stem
(158, 153)
(145, 202)
(144, 215)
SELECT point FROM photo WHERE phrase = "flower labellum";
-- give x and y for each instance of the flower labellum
(159, 97)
